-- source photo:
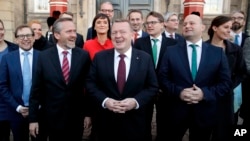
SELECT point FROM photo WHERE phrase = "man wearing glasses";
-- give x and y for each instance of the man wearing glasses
(171, 24)
(238, 18)
(155, 44)
(15, 81)
(106, 8)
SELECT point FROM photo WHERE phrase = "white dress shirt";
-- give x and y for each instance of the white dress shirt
(60, 54)
(198, 51)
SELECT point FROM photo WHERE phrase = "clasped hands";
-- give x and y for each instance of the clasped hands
(192, 95)
(120, 106)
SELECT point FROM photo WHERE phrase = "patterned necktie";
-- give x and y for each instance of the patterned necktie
(154, 50)
(65, 67)
(236, 39)
(121, 73)
(194, 61)
(26, 72)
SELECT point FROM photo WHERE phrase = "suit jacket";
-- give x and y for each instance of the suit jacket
(213, 77)
(11, 81)
(145, 45)
(79, 40)
(244, 36)
(89, 33)
(141, 84)
(178, 37)
(62, 104)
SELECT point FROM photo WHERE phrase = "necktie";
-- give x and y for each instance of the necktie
(121, 73)
(26, 72)
(194, 61)
(236, 39)
(65, 67)
(171, 36)
(154, 50)
(135, 36)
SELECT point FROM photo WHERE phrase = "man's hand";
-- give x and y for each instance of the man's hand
(24, 111)
(34, 129)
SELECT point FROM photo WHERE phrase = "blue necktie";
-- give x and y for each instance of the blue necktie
(194, 61)
(237, 90)
(26, 72)
(154, 50)
(236, 39)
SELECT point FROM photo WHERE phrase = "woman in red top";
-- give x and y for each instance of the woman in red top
(101, 39)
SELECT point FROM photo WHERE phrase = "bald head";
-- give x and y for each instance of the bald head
(193, 28)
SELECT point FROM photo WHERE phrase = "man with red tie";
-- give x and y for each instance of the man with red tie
(123, 91)
(58, 88)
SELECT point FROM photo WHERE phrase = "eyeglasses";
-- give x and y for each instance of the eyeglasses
(174, 20)
(23, 36)
(237, 18)
(106, 10)
(151, 23)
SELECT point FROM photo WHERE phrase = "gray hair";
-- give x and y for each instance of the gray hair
(167, 15)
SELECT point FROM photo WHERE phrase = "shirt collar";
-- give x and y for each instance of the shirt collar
(21, 51)
(128, 53)
(199, 43)
(60, 49)
(159, 38)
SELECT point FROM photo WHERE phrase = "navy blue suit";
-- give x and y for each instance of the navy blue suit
(178, 37)
(11, 89)
(141, 84)
(62, 105)
(4, 123)
(213, 78)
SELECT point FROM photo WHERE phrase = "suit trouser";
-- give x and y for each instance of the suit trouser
(4, 130)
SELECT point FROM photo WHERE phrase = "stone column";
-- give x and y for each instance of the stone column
(193, 6)
(7, 16)
(58, 5)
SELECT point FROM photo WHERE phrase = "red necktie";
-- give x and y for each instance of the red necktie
(65, 67)
(121, 73)
(135, 36)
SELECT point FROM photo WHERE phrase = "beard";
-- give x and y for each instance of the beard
(236, 26)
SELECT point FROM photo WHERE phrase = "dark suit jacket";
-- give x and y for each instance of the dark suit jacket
(11, 81)
(79, 40)
(178, 37)
(244, 36)
(89, 33)
(144, 44)
(213, 77)
(62, 104)
(141, 84)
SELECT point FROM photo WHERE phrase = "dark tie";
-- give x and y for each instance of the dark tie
(26, 72)
(121, 73)
(171, 36)
(236, 39)
(194, 61)
(65, 67)
(154, 50)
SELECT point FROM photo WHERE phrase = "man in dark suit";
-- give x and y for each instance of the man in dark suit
(106, 8)
(171, 24)
(123, 91)
(193, 83)
(16, 72)
(135, 18)
(154, 26)
(58, 87)
(242, 91)
(79, 38)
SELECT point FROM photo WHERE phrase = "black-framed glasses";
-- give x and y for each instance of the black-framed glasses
(237, 18)
(107, 10)
(23, 36)
(151, 23)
